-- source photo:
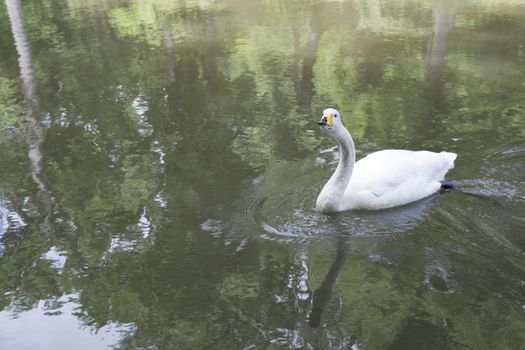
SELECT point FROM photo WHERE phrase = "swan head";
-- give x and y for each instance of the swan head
(331, 122)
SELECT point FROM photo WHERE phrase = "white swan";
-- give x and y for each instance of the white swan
(382, 179)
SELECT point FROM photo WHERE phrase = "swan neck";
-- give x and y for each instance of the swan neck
(345, 166)
(331, 197)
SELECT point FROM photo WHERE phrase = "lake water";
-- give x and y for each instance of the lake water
(160, 162)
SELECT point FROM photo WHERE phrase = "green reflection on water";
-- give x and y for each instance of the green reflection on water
(180, 165)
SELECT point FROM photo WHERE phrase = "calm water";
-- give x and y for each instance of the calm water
(160, 163)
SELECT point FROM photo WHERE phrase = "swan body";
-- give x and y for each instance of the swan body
(381, 180)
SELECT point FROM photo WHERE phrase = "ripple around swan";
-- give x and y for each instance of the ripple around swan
(311, 224)
(501, 176)
(279, 205)
(493, 188)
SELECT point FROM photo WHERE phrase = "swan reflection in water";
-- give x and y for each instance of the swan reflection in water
(323, 294)
(398, 219)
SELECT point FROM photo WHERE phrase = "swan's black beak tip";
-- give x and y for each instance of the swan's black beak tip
(321, 122)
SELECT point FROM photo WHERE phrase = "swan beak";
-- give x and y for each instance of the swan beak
(327, 119)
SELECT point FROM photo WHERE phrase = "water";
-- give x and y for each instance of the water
(160, 164)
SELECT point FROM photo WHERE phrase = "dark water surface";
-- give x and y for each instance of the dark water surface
(160, 163)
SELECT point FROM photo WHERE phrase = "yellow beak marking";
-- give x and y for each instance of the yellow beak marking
(329, 119)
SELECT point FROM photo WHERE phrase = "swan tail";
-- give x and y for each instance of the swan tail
(451, 157)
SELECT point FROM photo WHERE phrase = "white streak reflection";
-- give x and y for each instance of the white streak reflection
(57, 328)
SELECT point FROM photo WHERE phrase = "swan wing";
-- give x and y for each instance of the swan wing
(390, 178)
